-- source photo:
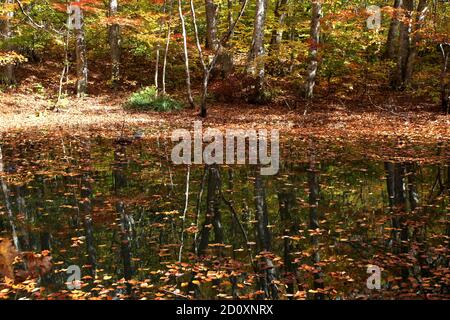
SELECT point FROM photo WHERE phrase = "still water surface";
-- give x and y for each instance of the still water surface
(118, 212)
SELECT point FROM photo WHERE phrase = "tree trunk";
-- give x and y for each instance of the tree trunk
(186, 56)
(409, 37)
(256, 57)
(280, 17)
(445, 84)
(422, 9)
(230, 16)
(391, 44)
(81, 58)
(316, 13)
(211, 24)
(8, 76)
(114, 43)
(166, 49)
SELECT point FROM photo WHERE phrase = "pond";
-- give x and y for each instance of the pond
(130, 224)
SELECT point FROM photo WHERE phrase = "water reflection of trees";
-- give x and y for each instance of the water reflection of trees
(283, 236)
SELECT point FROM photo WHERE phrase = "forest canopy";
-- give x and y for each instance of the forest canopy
(339, 48)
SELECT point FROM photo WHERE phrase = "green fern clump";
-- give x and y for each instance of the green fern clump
(148, 99)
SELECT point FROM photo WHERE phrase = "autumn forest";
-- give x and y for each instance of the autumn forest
(232, 150)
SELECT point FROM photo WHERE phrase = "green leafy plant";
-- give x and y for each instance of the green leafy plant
(148, 99)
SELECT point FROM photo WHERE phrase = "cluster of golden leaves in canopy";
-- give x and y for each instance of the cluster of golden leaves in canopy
(11, 57)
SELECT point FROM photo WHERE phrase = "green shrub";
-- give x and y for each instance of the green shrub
(148, 99)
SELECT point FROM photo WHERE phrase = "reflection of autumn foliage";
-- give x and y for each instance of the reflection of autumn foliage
(7, 255)
(35, 264)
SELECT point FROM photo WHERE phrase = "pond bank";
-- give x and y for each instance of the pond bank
(105, 115)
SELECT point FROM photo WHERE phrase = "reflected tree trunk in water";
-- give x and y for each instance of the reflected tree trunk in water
(286, 201)
(313, 200)
(23, 210)
(234, 226)
(126, 220)
(44, 241)
(396, 183)
(125, 243)
(397, 200)
(413, 195)
(264, 237)
(8, 204)
(448, 204)
(183, 218)
(198, 208)
(85, 206)
(212, 216)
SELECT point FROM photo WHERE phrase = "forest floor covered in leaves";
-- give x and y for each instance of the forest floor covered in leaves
(416, 121)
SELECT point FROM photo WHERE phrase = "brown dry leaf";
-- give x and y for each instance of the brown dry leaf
(7, 255)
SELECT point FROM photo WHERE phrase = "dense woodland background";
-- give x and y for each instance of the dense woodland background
(197, 52)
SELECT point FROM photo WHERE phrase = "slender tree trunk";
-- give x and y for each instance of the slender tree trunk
(257, 52)
(186, 56)
(81, 58)
(403, 50)
(114, 43)
(212, 40)
(65, 70)
(445, 83)
(166, 49)
(422, 9)
(316, 13)
(230, 16)
(158, 49)
(391, 44)
(280, 17)
(8, 76)
(207, 67)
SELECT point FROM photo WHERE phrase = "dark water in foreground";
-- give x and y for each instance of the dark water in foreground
(118, 213)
